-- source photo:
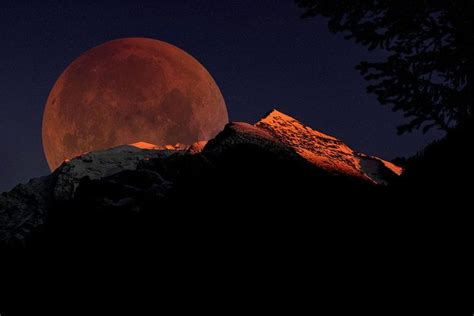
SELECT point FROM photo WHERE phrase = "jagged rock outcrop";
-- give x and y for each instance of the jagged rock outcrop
(25, 208)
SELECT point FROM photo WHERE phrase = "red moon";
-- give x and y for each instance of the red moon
(130, 90)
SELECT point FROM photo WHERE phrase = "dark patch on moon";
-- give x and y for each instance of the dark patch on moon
(177, 109)
(70, 140)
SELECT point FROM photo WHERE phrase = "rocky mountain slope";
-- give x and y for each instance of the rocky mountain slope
(275, 161)
(325, 151)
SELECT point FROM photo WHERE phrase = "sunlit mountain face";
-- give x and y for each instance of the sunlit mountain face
(323, 150)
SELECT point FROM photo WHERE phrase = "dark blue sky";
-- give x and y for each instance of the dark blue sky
(261, 54)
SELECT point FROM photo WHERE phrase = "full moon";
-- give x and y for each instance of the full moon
(130, 90)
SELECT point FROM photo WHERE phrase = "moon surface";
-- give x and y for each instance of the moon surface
(126, 91)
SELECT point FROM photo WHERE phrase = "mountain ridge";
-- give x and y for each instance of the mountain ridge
(321, 149)
(278, 156)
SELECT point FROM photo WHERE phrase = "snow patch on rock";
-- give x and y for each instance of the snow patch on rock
(100, 164)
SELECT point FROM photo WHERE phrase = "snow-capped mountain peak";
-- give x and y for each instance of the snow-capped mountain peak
(325, 151)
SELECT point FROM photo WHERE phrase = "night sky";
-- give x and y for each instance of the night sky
(261, 54)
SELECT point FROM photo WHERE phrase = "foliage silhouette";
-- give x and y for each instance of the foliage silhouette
(428, 72)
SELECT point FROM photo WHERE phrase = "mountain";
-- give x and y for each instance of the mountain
(278, 160)
(325, 151)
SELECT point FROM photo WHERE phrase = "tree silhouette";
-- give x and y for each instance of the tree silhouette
(428, 72)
